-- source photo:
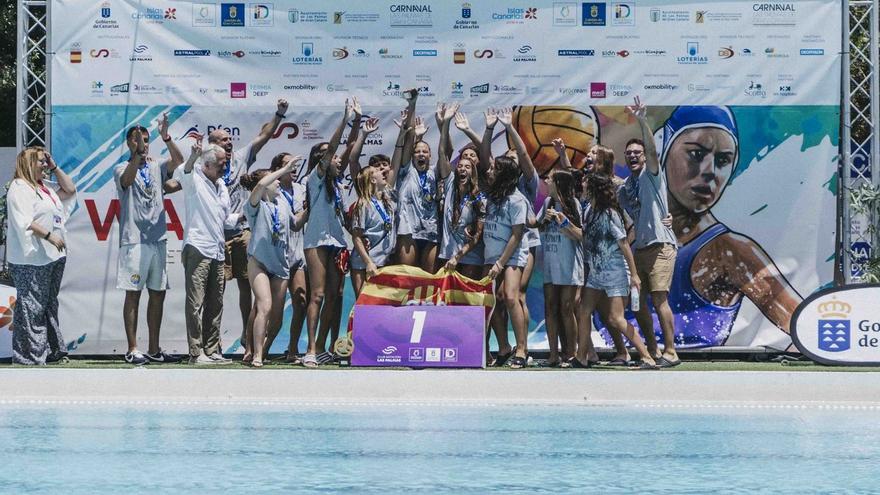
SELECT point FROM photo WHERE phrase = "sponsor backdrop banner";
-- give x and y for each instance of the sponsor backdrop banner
(756, 233)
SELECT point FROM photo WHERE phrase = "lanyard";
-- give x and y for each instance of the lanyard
(288, 197)
(48, 193)
(386, 219)
(227, 173)
(337, 197)
(144, 173)
(276, 222)
(424, 185)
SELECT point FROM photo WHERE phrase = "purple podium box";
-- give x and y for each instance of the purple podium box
(419, 336)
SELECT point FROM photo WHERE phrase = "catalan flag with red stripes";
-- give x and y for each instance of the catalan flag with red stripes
(399, 285)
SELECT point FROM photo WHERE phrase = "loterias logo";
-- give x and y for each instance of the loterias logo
(307, 57)
(839, 325)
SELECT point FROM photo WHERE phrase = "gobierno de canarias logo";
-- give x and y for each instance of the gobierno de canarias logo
(834, 326)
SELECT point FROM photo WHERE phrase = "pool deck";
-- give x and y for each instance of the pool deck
(303, 387)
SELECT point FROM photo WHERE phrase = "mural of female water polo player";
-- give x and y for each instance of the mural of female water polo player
(698, 150)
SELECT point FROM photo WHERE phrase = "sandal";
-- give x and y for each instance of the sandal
(618, 362)
(576, 363)
(501, 359)
(518, 363)
(641, 365)
(551, 364)
(310, 361)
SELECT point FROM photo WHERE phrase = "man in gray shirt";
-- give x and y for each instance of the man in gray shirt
(142, 232)
(643, 196)
(237, 232)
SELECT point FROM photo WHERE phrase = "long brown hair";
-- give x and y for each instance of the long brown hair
(604, 161)
(603, 196)
(473, 190)
(564, 182)
(507, 174)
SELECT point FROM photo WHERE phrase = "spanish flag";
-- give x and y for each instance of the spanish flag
(399, 285)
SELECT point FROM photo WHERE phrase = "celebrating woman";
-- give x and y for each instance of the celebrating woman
(560, 227)
(36, 251)
(324, 236)
(270, 219)
(373, 228)
(507, 250)
(610, 274)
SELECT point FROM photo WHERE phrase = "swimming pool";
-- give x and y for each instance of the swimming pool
(436, 449)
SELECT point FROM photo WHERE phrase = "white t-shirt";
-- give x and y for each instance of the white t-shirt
(207, 208)
(43, 206)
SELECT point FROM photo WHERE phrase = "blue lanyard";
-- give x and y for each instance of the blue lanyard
(288, 197)
(467, 199)
(276, 222)
(227, 173)
(386, 219)
(337, 197)
(145, 176)
(424, 185)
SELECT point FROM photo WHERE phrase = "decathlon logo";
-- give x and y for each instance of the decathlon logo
(834, 326)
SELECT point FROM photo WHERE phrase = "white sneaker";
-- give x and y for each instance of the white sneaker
(218, 358)
(201, 359)
(136, 358)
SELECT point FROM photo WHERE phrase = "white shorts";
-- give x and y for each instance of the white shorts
(142, 265)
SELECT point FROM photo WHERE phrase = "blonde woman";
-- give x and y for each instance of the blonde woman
(36, 250)
(373, 229)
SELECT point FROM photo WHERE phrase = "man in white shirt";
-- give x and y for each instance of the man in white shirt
(207, 210)
(236, 164)
(142, 237)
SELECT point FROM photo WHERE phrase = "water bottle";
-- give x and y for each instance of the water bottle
(634, 299)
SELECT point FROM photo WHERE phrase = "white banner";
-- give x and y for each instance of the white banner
(567, 67)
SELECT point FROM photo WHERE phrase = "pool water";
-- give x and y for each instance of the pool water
(436, 449)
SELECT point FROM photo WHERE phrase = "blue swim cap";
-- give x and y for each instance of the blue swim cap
(684, 118)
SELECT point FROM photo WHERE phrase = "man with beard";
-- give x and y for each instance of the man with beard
(237, 232)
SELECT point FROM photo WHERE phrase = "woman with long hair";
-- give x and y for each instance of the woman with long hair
(37, 252)
(507, 250)
(559, 222)
(610, 259)
(416, 176)
(271, 220)
(324, 237)
(373, 228)
(297, 283)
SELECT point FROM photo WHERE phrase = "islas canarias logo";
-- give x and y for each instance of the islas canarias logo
(834, 326)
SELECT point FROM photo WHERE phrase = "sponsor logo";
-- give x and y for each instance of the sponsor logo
(283, 128)
(118, 89)
(339, 53)
(834, 326)
(619, 89)
(450, 354)
(746, 52)
(204, 14)
(97, 89)
(755, 90)
(156, 16)
(140, 53)
(812, 51)
(229, 54)
(466, 22)
(661, 87)
(456, 89)
(266, 53)
(424, 53)
(486, 53)
(693, 56)
(386, 53)
(784, 90)
(232, 14)
(260, 89)
(516, 15)
(307, 55)
(262, 14)
(238, 90)
(146, 89)
(708, 16)
(623, 14)
(774, 14)
(300, 87)
(651, 52)
(615, 53)
(565, 14)
(525, 53)
(171, 14)
(389, 350)
(342, 17)
(661, 15)
(598, 90)
(416, 354)
(192, 53)
(593, 14)
(697, 88)
(76, 53)
(573, 91)
(772, 53)
(411, 15)
(576, 53)
(106, 20)
(432, 354)
(458, 54)
(506, 89)
(480, 89)
(726, 52)
(295, 15)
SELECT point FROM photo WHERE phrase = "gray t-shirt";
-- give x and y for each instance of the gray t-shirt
(601, 233)
(417, 192)
(141, 205)
(500, 220)
(529, 189)
(324, 227)
(369, 219)
(653, 208)
(238, 196)
(563, 256)
(295, 198)
(454, 236)
(270, 235)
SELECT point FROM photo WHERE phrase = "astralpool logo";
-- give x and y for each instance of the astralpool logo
(576, 53)
(834, 326)
(192, 53)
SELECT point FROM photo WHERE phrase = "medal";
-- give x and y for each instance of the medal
(144, 173)
(276, 223)
(386, 219)
(227, 173)
(425, 186)
(337, 198)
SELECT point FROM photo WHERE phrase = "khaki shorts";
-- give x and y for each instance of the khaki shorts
(235, 264)
(655, 265)
(142, 265)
